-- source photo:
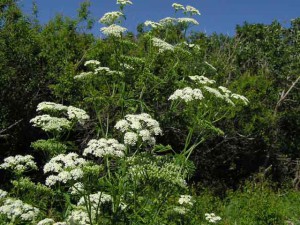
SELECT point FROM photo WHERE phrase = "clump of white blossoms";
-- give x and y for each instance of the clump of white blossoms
(162, 45)
(152, 24)
(113, 30)
(92, 62)
(68, 167)
(192, 10)
(110, 17)
(51, 106)
(78, 114)
(16, 209)
(104, 147)
(178, 7)
(19, 163)
(50, 123)
(185, 199)
(202, 79)
(84, 75)
(188, 21)
(3, 194)
(212, 218)
(79, 217)
(187, 94)
(47, 221)
(139, 126)
(124, 2)
(167, 21)
(95, 200)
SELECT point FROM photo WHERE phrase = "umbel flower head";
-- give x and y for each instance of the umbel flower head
(110, 17)
(113, 30)
(140, 126)
(104, 147)
(19, 163)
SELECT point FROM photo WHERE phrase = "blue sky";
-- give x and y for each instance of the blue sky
(219, 16)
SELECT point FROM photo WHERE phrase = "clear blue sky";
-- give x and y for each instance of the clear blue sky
(219, 16)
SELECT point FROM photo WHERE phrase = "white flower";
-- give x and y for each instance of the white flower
(202, 79)
(46, 221)
(241, 97)
(84, 75)
(167, 21)
(68, 167)
(152, 24)
(180, 210)
(91, 62)
(3, 194)
(162, 45)
(187, 94)
(13, 209)
(110, 17)
(78, 114)
(19, 163)
(130, 138)
(214, 91)
(104, 147)
(187, 20)
(122, 125)
(77, 188)
(113, 30)
(49, 123)
(212, 218)
(192, 10)
(177, 6)
(50, 106)
(185, 199)
(79, 217)
(124, 2)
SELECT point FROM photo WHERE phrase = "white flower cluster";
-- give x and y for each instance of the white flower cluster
(241, 97)
(202, 79)
(140, 125)
(187, 20)
(152, 24)
(79, 217)
(214, 91)
(179, 209)
(92, 62)
(19, 163)
(110, 17)
(113, 30)
(162, 45)
(51, 106)
(83, 75)
(185, 199)
(104, 147)
(3, 194)
(124, 2)
(68, 167)
(212, 218)
(50, 123)
(177, 6)
(192, 10)
(167, 21)
(46, 221)
(79, 114)
(95, 200)
(16, 209)
(187, 94)
(188, 9)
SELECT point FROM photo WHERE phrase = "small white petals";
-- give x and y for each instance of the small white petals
(187, 94)
(214, 91)
(212, 218)
(84, 75)
(162, 45)
(177, 6)
(110, 17)
(124, 2)
(75, 113)
(19, 163)
(192, 10)
(92, 62)
(185, 199)
(47, 221)
(51, 106)
(202, 79)
(130, 138)
(49, 123)
(241, 97)
(187, 20)
(113, 30)
(104, 147)
(152, 24)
